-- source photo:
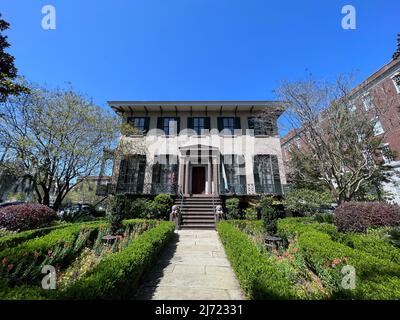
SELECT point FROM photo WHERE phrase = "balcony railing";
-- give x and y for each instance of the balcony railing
(138, 189)
(251, 189)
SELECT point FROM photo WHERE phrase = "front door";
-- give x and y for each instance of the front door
(198, 180)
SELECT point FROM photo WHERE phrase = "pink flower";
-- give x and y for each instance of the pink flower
(295, 250)
(49, 253)
(5, 261)
(10, 267)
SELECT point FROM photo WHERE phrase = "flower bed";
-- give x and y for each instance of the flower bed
(377, 276)
(67, 249)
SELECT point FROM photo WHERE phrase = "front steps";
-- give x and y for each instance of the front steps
(197, 212)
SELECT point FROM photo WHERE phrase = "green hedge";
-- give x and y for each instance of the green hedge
(259, 274)
(249, 226)
(376, 278)
(118, 275)
(16, 238)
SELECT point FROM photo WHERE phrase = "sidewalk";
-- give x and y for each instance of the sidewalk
(193, 266)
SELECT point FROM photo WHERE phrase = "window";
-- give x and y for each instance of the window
(387, 153)
(198, 125)
(352, 107)
(169, 125)
(233, 174)
(228, 124)
(396, 81)
(378, 129)
(140, 123)
(367, 101)
(266, 174)
(261, 126)
(165, 174)
(131, 174)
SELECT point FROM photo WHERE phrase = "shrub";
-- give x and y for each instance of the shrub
(306, 201)
(117, 275)
(115, 213)
(359, 216)
(324, 217)
(250, 214)
(259, 275)
(160, 207)
(269, 214)
(232, 208)
(394, 236)
(26, 216)
(138, 208)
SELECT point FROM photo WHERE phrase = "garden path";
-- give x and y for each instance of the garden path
(193, 266)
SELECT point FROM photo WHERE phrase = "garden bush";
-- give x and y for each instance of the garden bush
(259, 274)
(161, 206)
(26, 216)
(115, 213)
(250, 214)
(232, 208)
(306, 201)
(359, 216)
(377, 276)
(138, 208)
(118, 275)
(269, 213)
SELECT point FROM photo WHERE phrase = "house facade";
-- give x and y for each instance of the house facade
(199, 148)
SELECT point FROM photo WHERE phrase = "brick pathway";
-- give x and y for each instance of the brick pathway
(193, 266)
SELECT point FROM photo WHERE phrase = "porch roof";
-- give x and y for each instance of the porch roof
(195, 106)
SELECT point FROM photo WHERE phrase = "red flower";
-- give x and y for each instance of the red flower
(10, 267)
(5, 261)
(49, 253)
(295, 250)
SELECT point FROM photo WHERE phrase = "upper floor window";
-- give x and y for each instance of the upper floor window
(199, 124)
(368, 102)
(396, 81)
(140, 123)
(170, 125)
(378, 129)
(387, 153)
(261, 126)
(228, 124)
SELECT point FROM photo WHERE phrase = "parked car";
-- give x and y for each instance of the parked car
(78, 212)
(10, 203)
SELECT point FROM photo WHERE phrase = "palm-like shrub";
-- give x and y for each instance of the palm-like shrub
(26, 216)
(232, 208)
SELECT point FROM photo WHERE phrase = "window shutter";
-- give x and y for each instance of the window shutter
(275, 172)
(220, 124)
(160, 123)
(122, 171)
(178, 124)
(237, 123)
(146, 124)
(142, 169)
(190, 123)
(207, 125)
(250, 121)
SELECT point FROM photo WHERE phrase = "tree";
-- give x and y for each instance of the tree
(55, 137)
(8, 71)
(342, 144)
(396, 55)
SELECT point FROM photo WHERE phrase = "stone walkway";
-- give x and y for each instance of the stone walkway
(193, 266)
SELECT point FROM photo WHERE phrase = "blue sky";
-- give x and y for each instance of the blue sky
(196, 49)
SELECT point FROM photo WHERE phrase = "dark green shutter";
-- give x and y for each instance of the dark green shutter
(142, 169)
(207, 125)
(178, 125)
(146, 124)
(190, 122)
(275, 172)
(220, 124)
(237, 123)
(160, 123)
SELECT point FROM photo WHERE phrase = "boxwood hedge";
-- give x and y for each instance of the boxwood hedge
(117, 275)
(259, 274)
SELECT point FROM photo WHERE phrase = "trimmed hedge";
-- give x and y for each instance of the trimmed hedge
(376, 278)
(259, 274)
(17, 238)
(26, 216)
(359, 216)
(118, 275)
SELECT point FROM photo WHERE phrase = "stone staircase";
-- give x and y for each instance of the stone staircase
(197, 212)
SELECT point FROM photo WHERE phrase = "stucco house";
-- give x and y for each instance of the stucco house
(199, 151)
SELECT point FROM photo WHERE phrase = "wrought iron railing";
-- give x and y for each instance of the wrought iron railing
(139, 189)
(251, 189)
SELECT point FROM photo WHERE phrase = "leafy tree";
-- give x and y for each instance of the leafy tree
(8, 71)
(55, 137)
(306, 200)
(396, 55)
(342, 146)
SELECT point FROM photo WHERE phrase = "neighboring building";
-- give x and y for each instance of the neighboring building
(381, 91)
(199, 148)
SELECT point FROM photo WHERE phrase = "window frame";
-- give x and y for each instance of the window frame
(131, 121)
(170, 120)
(370, 100)
(396, 85)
